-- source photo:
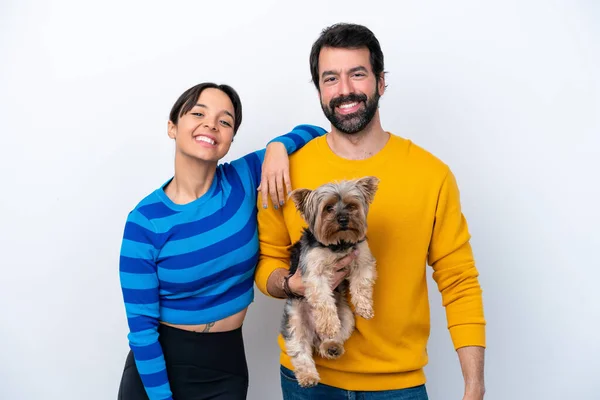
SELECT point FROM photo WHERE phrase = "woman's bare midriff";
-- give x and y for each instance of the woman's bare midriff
(226, 324)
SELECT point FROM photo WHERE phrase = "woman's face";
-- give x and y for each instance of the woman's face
(205, 133)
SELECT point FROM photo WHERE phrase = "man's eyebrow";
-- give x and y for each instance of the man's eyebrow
(359, 68)
(325, 73)
(351, 70)
(224, 111)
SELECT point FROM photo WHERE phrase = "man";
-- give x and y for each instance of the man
(415, 219)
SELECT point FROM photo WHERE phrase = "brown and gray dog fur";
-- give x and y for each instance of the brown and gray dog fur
(336, 214)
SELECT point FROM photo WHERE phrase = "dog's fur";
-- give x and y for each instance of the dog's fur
(336, 214)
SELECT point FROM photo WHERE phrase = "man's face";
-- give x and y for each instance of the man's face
(348, 88)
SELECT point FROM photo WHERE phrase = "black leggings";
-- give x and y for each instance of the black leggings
(199, 366)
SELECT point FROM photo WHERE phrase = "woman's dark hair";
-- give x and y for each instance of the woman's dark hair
(346, 36)
(188, 99)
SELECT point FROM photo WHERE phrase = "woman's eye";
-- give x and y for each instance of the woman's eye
(198, 114)
(226, 123)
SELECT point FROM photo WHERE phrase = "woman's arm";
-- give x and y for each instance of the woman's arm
(269, 167)
(139, 284)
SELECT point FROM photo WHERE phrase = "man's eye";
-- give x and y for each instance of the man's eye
(226, 123)
(198, 114)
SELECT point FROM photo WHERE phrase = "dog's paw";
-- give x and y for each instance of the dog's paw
(307, 378)
(331, 349)
(329, 328)
(365, 311)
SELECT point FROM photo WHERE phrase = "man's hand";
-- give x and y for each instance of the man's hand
(297, 287)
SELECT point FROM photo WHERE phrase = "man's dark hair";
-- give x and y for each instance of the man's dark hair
(188, 99)
(346, 36)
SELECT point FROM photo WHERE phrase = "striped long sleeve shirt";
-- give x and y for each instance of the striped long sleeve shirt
(192, 263)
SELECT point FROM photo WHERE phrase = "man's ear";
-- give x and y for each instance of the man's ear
(172, 130)
(381, 84)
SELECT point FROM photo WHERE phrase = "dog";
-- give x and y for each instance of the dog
(322, 320)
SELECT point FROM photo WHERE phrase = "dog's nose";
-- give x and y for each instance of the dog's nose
(343, 220)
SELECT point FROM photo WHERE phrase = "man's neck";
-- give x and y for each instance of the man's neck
(360, 145)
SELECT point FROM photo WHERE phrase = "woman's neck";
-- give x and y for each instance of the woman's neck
(191, 180)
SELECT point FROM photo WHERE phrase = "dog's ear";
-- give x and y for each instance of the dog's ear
(368, 186)
(299, 197)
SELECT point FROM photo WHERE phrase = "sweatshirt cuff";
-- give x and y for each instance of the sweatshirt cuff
(262, 275)
(468, 335)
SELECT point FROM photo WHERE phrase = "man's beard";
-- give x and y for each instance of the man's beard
(357, 121)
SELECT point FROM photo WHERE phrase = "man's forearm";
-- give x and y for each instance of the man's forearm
(472, 359)
(275, 283)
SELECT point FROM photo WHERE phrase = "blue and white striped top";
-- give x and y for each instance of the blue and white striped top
(193, 263)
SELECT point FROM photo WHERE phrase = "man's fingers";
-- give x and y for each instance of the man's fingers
(338, 277)
(341, 275)
(342, 263)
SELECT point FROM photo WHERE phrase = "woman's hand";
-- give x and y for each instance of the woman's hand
(275, 179)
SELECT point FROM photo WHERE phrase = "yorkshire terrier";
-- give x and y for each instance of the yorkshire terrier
(336, 214)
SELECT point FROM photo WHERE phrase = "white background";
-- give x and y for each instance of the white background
(506, 92)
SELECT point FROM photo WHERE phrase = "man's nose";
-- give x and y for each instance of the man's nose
(345, 86)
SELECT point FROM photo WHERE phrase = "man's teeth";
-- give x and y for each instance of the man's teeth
(348, 105)
(205, 139)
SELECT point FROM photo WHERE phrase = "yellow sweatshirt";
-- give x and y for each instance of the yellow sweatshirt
(415, 220)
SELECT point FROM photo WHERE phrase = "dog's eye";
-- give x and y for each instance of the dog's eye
(350, 207)
(329, 208)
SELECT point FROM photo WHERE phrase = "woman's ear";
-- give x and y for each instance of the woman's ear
(172, 130)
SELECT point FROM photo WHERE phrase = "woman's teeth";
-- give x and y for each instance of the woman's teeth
(204, 139)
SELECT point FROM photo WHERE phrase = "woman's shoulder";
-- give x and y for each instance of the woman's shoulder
(151, 205)
(239, 167)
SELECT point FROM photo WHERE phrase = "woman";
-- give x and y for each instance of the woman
(189, 251)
